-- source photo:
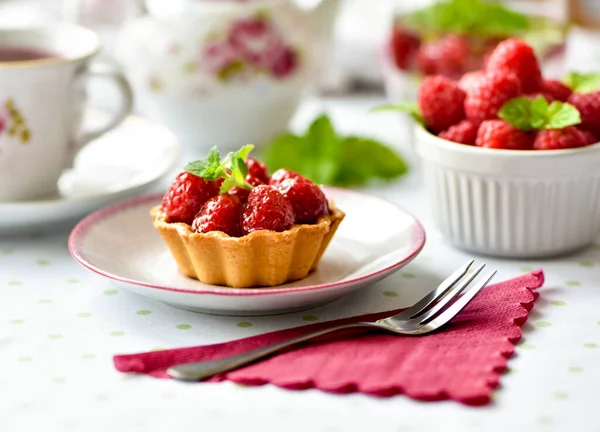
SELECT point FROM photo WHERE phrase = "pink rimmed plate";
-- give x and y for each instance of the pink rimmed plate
(375, 240)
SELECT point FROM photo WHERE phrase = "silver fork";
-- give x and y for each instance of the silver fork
(427, 315)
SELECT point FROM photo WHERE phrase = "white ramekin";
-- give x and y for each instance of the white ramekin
(521, 204)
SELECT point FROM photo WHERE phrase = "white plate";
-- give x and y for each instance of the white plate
(127, 161)
(375, 240)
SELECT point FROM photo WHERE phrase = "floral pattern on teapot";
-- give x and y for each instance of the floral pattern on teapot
(249, 46)
(12, 122)
(236, 51)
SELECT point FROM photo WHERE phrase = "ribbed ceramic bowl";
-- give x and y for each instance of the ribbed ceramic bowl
(521, 204)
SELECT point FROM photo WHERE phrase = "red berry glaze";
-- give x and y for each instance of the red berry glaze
(558, 139)
(498, 134)
(556, 89)
(282, 174)
(220, 213)
(464, 132)
(518, 57)
(257, 169)
(588, 105)
(441, 102)
(307, 199)
(267, 209)
(404, 46)
(487, 95)
(186, 196)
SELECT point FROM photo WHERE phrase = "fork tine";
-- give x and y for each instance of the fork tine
(436, 308)
(437, 293)
(460, 304)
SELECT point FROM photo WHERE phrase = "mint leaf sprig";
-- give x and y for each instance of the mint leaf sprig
(325, 157)
(526, 114)
(232, 168)
(582, 82)
(410, 108)
(471, 17)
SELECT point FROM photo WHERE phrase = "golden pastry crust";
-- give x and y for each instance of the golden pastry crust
(261, 258)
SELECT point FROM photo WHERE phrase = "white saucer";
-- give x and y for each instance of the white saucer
(375, 240)
(127, 161)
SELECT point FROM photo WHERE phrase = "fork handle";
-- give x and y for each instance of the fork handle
(206, 369)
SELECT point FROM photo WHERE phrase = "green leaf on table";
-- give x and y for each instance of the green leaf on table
(583, 82)
(526, 114)
(325, 157)
(363, 159)
(411, 108)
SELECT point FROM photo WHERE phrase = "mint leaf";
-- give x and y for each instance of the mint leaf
(213, 156)
(517, 112)
(323, 147)
(467, 17)
(527, 115)
(538, 112)
(285, 151)
(583, 82)
(363, 159)
(324, 157)
(239, 166)
(561, 115)
(232, 168)
(411, 108)
(245, 151)
(208, 168)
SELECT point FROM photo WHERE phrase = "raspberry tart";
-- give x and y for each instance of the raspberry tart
(227, 222)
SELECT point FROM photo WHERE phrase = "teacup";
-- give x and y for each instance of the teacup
(43, 71)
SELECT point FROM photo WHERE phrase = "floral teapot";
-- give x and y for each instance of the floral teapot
(225, 72)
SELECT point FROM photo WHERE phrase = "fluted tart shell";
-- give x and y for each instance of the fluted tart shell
(261, 258)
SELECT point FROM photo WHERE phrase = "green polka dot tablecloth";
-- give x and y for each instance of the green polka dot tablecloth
(60, 325)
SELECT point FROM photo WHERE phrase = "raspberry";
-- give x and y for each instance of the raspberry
(448, 56)
(487, 95)
(556, 90)
(282, 174)
(242, 193)
(588, 105)
(186, 196)
(498, 134)
(557, 139)
(469, 79)
(257, 169)
(239, 193)
(441, 103)
(588, 137)
(254, 181)
(404, 47)
(464, 132)
(519, 58)
(307, 199)
(267, 209)
(221, 213)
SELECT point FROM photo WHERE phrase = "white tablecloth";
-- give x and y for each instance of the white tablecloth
(60, 325)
